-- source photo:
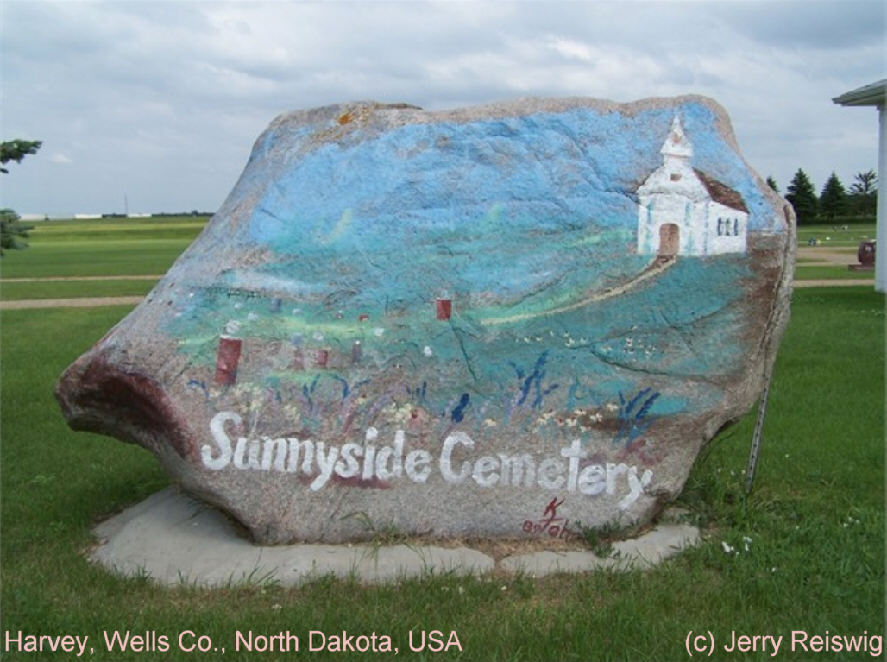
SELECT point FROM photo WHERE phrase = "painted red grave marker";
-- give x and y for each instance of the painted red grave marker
(444, 309)
(227, 359)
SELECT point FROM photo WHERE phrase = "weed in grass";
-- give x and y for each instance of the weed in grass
(382, 535)
(378, 534)
(257, 578)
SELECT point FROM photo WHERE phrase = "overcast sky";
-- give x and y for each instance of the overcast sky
(161, 101)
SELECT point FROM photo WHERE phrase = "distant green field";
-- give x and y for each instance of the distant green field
(102, 248)
(174, 227)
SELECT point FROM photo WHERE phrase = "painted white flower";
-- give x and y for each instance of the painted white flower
(728, 549)
(428, 351)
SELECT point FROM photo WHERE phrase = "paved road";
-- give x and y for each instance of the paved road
(69, 303)
(847, 282)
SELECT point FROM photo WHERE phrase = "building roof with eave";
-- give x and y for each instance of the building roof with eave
(867, 95)
(721, 193)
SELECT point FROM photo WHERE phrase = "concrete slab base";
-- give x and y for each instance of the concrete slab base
(175, 539)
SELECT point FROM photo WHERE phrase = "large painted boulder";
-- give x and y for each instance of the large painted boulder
(514, 320)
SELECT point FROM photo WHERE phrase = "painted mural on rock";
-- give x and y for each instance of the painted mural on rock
(446, 321)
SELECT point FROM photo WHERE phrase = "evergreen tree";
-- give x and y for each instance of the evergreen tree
(772, 184)
(863, 198)
(802, 196)
(16, 150)
(833, 200)
(13, 233)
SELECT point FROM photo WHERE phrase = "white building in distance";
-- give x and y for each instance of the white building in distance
(683, 212)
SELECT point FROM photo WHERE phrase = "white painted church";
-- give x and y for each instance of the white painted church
(683, 212)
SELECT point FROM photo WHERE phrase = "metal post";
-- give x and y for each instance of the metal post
(881, 250)
(752, 465)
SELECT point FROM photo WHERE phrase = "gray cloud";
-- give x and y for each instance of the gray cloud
(163, 100)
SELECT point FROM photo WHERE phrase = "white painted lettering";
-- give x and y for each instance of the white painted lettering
(417, 466)
(395, 454)
(348, 466)
(592, 480)
(246, 453)
(274, 452)
(551, 472)
(296, 449)
(217, 428)
(446, 467)
(369, 454)
(484, 469)
(635, 486)
(518, 467)
(574, 452)
(322, 461)
(325, 463)
(369, 463)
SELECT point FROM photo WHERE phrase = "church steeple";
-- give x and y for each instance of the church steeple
(676, 146)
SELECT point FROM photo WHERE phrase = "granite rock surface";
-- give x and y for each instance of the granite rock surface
(513, 320)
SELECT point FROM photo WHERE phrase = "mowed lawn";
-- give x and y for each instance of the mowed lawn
(836, 236)
(808, 543)
(107, 247)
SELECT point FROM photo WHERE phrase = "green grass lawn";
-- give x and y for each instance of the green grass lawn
(815, 522)
(828, 236)
(74, 289)
(101, 248)
(830, 272)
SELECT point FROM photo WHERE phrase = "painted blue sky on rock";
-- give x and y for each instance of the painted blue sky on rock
(588, 165)
(429, 203)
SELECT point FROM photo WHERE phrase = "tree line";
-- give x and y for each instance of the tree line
(834, 202)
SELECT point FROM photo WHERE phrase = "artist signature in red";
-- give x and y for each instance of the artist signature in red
(550, 523)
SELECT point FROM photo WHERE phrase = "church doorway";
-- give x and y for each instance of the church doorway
(669, 240)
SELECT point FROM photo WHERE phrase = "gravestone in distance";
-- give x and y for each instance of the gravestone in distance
(504, 321)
